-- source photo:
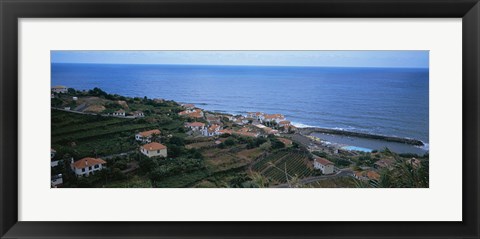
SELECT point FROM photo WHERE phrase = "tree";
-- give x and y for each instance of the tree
(229, 142)
(176, 141)
(97, 92)
(276, 144)
(71, 91)
(175, 151)
(156, 175)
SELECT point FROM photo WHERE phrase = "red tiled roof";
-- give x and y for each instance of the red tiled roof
(323, 161)
(285, 141)
(373, 175)
(87, 162)
(244, 130)
(154, 146)
(225, 131)
(274, 116)
(149, 133)
(213, 128)
(358, 174)
(249, 134)
(196, 124)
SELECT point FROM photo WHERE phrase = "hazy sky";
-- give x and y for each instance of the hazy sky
(413, 59)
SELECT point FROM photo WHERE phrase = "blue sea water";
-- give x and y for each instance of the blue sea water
(387, 101)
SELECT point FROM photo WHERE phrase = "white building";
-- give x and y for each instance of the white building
(192, 113)
(255, 115)
(269, 130)
(74, 98)
(272, 118)
(324, 165)
(196, 126)
(53, 163)
(138, 114)
(59, 89)
(87, 166)
(189, 106)
(52, 153)
(284, 123)
(146, 136)
(56, 180)
(120, 113)
(212, 130)
(154, 150)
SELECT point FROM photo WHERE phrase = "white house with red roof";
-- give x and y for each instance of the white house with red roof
(324, 165)
(284, 123)
(154, 149)
(192, 113)
(87, 166)
(212, 130)
(188, 106)
(146, 136)
(272, 118)
(255, 115)
(138, 114)
(119, 113)
(59, 89)
(195, 126)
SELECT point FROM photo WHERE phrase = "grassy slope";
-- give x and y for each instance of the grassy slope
(105, 135)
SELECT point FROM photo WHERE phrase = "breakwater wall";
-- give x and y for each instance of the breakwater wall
(309, 130)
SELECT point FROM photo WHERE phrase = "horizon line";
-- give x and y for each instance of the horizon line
(310, 66)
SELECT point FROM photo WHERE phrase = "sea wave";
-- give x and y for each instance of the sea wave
(300, 125)
(425, 146)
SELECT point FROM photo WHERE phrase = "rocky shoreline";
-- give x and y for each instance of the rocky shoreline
(309, 130)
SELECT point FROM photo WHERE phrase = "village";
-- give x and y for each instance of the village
(256, 149)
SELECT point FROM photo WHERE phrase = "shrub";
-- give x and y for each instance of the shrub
(229, 142)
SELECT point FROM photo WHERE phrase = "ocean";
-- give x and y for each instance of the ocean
(386, 101)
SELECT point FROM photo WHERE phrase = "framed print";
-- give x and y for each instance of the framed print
(239, 119)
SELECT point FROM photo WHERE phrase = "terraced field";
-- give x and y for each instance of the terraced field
(87, 135)
(282, 164)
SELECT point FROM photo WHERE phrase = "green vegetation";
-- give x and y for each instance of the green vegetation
(90, 130)
(402, 175)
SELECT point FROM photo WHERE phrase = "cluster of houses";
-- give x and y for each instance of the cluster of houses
(133, 114)
(253, 124)
(191, 111)
(118, 113)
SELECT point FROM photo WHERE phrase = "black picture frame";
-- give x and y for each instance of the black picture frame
(12, 10)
